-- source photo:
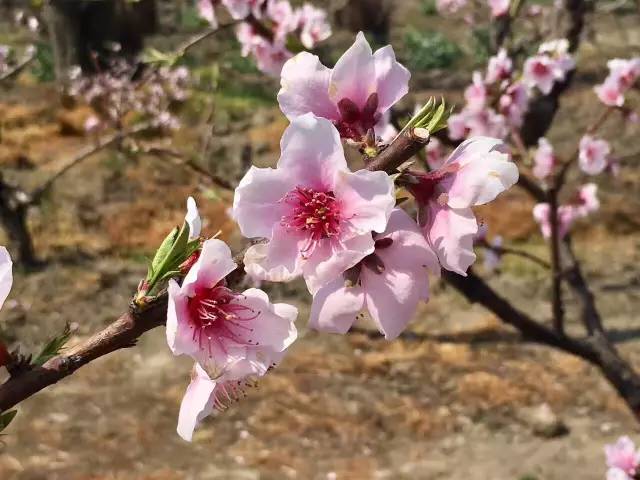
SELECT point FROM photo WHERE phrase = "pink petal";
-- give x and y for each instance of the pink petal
(409, 250)
(335, 307)
(6, 274)
(257, 205)
(206, 11)
(197, 402)
(392, 78)
(276, 261)
(330, 259)
(392, 296)
(179, 337)
(304, 88)
(354, 75)
(483, 173)
(366, 199)
(269, 329)
(450, 233)
(215, 263)
(312, 152)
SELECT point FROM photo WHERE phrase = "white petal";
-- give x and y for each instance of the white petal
(335, 307)
(6, 274)
(256, 203)
(312, 152)
(215, 263)
(305, 88)
(354, 75)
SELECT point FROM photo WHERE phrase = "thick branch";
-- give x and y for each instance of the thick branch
(556, 264)
(122, 333)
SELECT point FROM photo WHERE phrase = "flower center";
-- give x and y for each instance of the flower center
(354, 122)
(313, 212)
(216, 319)
(540, 69)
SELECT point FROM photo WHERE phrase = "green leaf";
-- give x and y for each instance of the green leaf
(163, 251)
(54, 347)
(6, 418)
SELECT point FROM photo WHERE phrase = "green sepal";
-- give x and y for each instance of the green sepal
(163, 252)
(53, 347)
(6, 418)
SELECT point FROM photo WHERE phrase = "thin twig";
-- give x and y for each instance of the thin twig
(17, 68)
(517, 253)
(556, 264)
(87, 152)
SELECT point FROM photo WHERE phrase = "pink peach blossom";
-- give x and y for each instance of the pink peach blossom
(499, 8)
(192, 218)
(435, 154)
(474, 174)
(544, 160)
(587, 199)
(316, 214)
(550, 65)
(214, 324)
(476, 93)
(499, 68)
(284, 18)
(212, 390)
(354, 94)
(622, 75)
(622, 459)
(241, 9)
(593, 156)
(314, 25)
(514, 103)
(389, 283)
(567, 214)
(6, 274)
(470, 123)
(448, 7)
(206, 11)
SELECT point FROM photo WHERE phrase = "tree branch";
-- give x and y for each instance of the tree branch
(122, 333)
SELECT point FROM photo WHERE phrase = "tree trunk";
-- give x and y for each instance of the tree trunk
(90, 32)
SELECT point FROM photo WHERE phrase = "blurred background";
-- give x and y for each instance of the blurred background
(458, 396)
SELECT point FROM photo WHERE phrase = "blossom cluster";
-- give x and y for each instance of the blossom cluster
(496, 102)
(623, 74)
(270, 29)
(623, 460)
(340, 230)
(123, 92)
(583, 203)
(497, 8)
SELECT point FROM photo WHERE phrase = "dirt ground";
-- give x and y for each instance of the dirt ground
(458, 397)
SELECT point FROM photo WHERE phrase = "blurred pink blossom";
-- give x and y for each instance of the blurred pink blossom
(206, 11)
(499, 68)
(622, 75)
(567, 214)
(6, 274)
(622, 459)
(587, 199)
(449, 7)
(354, 95)
(499, 8)
(315, 213)
(593, 156)
(314, 25)
(551, 64)
(544, 160)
